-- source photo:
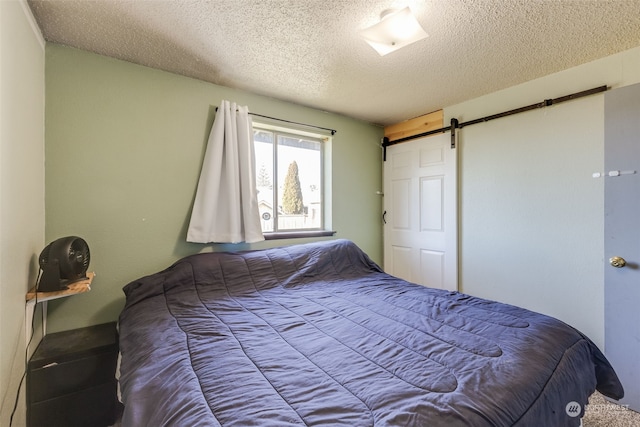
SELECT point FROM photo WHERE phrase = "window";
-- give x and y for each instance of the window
(290, 180)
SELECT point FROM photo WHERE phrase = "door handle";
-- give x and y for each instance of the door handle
(384, 217)
(617, 261)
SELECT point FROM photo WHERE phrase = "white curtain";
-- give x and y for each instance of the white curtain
(225, 209)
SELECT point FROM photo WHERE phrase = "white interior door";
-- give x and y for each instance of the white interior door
(622, 238)
(420, 204)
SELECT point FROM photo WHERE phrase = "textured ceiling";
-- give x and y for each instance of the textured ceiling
(309, 52)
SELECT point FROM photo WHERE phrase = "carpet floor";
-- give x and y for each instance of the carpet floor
(602, 413)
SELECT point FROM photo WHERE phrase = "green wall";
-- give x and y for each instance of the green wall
(22, 217)
(123, 150)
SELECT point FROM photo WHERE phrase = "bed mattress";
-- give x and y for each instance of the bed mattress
(318, 334)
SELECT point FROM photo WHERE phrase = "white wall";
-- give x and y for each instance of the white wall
(21, 188)
(531, 215)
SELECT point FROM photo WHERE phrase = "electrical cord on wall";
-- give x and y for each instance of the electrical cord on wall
(26, 353)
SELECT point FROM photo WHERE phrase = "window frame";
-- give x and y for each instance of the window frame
(325, 219)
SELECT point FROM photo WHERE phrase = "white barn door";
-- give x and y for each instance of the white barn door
(420, 212)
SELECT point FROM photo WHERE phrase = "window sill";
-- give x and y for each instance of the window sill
(298, 234)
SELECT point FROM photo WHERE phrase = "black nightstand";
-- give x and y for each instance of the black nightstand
(71, 378)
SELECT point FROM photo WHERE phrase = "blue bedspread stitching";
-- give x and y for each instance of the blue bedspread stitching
(408, 326)
(164, 294)
(294, 348)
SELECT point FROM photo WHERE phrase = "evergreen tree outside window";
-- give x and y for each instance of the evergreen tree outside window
(264, 176)
(292, 192)
(289, 179)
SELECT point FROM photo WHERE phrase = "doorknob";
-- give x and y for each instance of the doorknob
(617, 261)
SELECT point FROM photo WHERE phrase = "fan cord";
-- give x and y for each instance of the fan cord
(26, 352)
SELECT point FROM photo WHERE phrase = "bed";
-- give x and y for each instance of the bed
(318, 335)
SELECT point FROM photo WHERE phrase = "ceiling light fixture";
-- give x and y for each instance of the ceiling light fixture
(396, 29)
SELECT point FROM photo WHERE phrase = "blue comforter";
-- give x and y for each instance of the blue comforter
(318, 334)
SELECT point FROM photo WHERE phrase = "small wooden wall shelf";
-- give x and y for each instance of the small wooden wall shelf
(73, 289)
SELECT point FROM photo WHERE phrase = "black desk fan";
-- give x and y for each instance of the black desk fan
(63, 261)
